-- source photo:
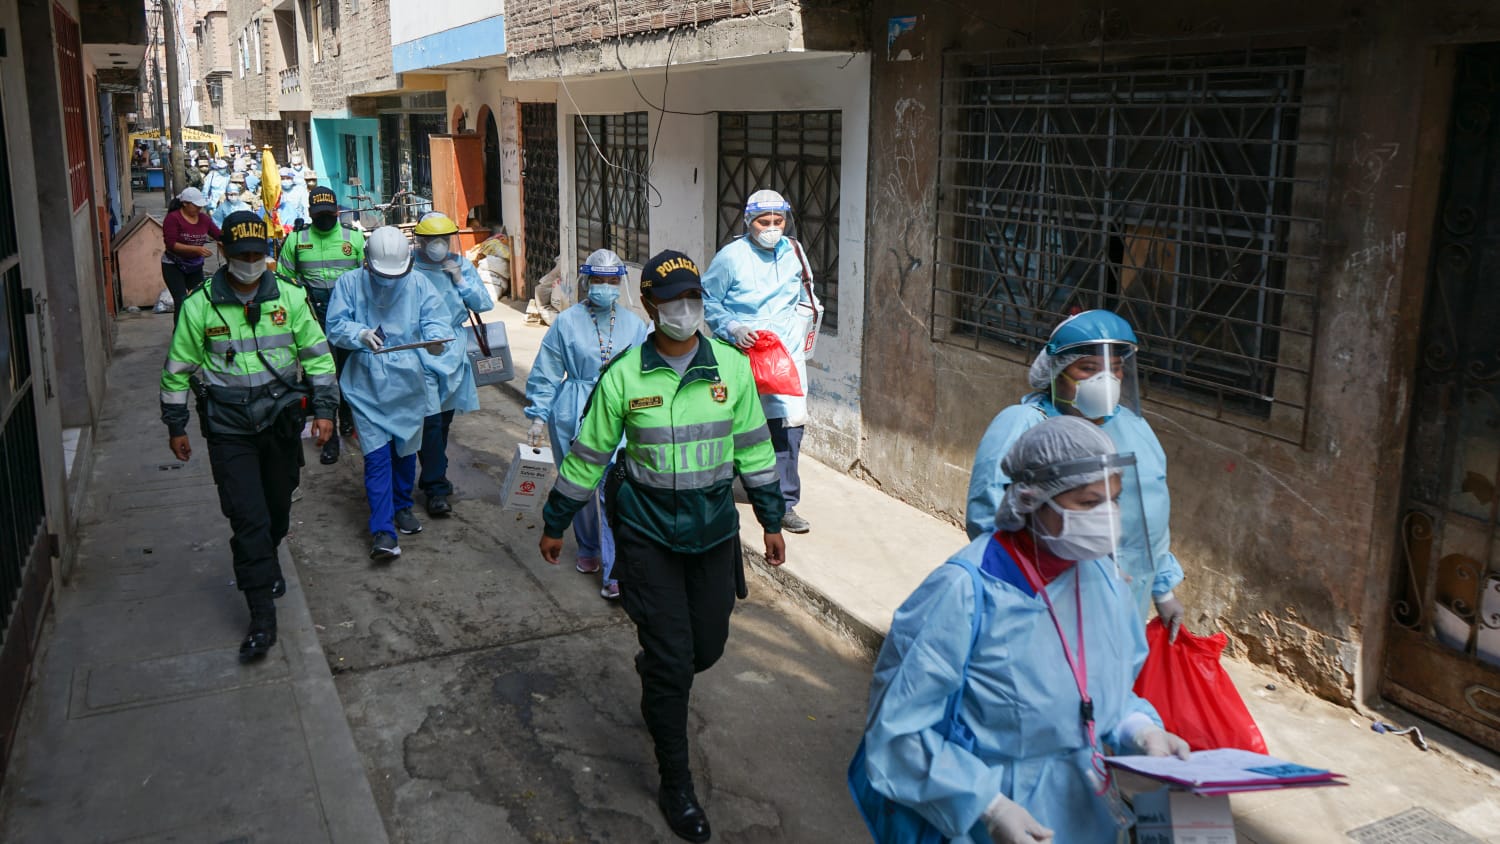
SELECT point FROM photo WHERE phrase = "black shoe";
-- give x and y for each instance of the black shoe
(262, 634)
(278, 588)
(330, 453)
(438, 506)
(793, 523)
(346, 427)
(384, 548)
(683, 814)
(407, 523)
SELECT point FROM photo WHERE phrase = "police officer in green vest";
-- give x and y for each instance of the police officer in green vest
(692, 420)
(313, 257)
(239, 342)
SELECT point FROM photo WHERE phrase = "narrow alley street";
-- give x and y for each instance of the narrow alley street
(493, 696)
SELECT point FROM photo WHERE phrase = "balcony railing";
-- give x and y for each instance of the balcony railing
(291, 80)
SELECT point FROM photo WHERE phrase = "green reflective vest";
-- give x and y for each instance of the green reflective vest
(686, 437)
(315, 260)
(247, 368)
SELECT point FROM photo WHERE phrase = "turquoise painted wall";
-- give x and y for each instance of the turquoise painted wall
(328, 145)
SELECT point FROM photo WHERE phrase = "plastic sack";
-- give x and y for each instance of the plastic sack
(164, 303)
(774, 370)
(1193, 693)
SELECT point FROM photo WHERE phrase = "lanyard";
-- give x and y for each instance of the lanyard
(604, 353)
(1079, 666)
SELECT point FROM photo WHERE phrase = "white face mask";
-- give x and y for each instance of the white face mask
(768, 237)
(247, 271)
(1085, 534)
(287, 185)
(435, 250)
(680, 318)
(1097, 396)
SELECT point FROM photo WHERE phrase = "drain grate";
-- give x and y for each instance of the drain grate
(1413, 826)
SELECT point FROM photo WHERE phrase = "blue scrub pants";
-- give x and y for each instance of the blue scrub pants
(388, 483)
(434, 454)
(591, 529)
(787, 442)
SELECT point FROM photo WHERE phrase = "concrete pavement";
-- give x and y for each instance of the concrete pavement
(143, 726)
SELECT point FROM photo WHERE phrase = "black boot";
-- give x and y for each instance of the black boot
(679, 805)
(262, 634)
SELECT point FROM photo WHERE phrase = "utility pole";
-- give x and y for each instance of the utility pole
(174, 107)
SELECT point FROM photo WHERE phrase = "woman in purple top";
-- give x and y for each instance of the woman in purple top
(187, 232)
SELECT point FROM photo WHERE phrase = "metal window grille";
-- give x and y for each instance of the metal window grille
(70, 72)
(1183, 191)
(797, 154)
(611, 210)
(423, 126)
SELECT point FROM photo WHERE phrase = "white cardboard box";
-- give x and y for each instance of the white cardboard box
(528, 480)
(1172, 816)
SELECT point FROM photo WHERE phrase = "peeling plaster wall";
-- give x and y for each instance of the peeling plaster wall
(1288, 548)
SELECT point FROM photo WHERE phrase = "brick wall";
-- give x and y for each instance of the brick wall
(539, 26)
(256, 95)
(356, 55)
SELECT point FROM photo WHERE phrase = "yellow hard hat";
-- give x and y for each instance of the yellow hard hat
(435, 224)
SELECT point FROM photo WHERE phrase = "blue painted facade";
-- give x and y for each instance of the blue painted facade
(462, 43)
(332, 139)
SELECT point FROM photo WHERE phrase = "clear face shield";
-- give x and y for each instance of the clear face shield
(1097, 380)
(767, 223)
(1097, 515)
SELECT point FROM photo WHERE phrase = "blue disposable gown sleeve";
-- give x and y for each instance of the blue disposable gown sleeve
(547, 373)
(343, 328)
(1131, 630)
(432, 313)
(920, 666)
(986, 481)
(475, 295)
(717, 281)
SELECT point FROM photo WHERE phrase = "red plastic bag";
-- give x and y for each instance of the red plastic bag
(775, 372)
(1193, 693)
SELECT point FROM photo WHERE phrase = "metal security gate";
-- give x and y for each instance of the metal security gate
(1443, 658)
(24, 573)
(539, 206)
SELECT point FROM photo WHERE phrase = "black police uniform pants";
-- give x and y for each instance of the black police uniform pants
(680, 604)
(255, 475)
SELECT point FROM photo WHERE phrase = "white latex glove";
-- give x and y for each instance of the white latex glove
(1008, 823)
(1171, 612)
(454, 271)
(371, 340)
(744, 335)
(537, 436)
(1159, 742)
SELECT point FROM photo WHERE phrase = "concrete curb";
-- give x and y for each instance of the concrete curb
(809, 598)
(343, 787)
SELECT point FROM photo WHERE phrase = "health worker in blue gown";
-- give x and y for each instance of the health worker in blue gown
(386, 304)
(1056, 628)
(581, 340)
(1088, 370)
(761, 281)
(451, 374)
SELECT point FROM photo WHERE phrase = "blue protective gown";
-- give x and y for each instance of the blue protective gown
(252, 179)
(450, 374)
(292, 207)
(762, 288)
(1020, 698)
(1131, 435)
(389, 392)
(567, 367)
(225, 208)
(214, 186)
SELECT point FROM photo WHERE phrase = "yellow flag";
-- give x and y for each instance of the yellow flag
(270, 192)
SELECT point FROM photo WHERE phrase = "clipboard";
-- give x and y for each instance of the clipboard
(417, 345)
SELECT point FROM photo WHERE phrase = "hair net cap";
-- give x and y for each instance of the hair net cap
(603, 262)
(765, 202)
(1058, 440)
(286, 173)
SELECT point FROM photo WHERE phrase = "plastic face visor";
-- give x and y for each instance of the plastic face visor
(611, 272)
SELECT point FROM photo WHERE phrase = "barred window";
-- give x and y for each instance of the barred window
(796, 154)
(611, 208)
(1181, 191)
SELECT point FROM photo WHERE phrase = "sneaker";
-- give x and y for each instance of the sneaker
(384, 548)
(330, 453)
(438, 506)
(611, 591)
(793, 523)
(296, 494)
(407, 523)
(589, 565)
